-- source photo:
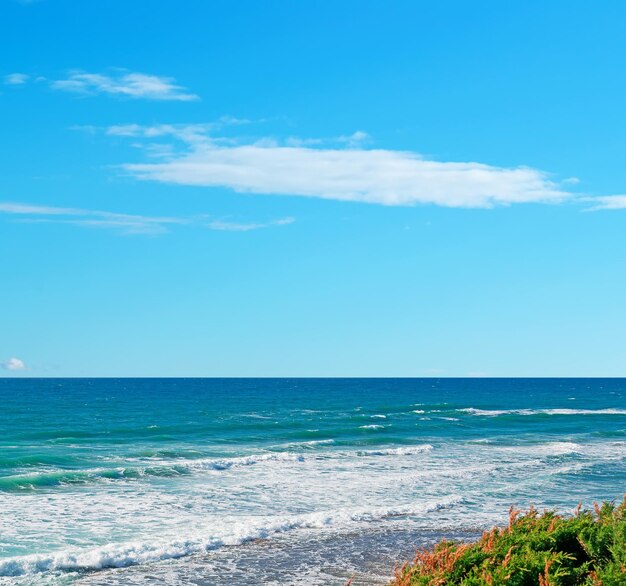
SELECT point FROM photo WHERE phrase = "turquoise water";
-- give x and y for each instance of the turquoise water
(147, 474)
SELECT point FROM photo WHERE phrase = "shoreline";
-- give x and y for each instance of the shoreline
(367, 556)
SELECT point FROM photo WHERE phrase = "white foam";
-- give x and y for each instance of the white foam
(307, 444)
(605, 451)
(584, 411)
(226, 463)
(404, 451)
(371, 426)
(134, 553)
(255, 416)
(497, 412)
(571, 469)
(559, 448)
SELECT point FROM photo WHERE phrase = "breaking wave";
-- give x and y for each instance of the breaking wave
(498, 412)
(406, 451)
(135, 553)
(45, 479)
(54, 478)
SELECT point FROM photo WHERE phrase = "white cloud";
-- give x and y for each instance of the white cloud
(13, 364)
(607, 202)
(125, 223)
(377, 176)
(246, 227)
(338, 168)
(16, 78)
(131, 85)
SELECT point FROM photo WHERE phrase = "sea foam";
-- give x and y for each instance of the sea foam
(498, 412)
(231, 534)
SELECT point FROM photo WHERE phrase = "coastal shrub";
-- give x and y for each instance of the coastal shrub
(544, 549)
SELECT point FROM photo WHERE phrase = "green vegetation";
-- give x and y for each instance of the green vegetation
(535, 549)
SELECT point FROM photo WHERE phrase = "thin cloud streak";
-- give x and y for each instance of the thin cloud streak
(127, 227)
(124, 223)
(242, 227)
(129, 85)
(187, 133)
(606, 202)
(16, 79)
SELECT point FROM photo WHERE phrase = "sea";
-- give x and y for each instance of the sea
(285, 481)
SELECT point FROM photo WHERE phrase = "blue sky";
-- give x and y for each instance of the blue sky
(346, 188)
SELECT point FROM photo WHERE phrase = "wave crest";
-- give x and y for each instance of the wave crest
(45, 479)
(526, 412)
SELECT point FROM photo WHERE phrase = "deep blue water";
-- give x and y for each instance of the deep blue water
(154, 473)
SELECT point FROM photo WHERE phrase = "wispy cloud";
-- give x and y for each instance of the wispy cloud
(16, 78)
(126, 223)
(606, 202)
(379, 176)
(246, 227)
(355, 140)
(13, 364)
(187, 133)
(125, 84)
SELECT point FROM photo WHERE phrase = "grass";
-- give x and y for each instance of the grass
(544, 549)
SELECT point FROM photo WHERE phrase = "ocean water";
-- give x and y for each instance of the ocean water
(302, 481)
